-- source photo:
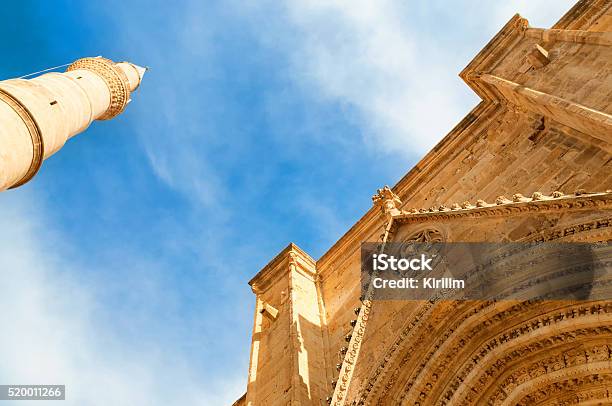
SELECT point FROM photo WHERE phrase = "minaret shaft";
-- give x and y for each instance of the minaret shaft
(39, 115)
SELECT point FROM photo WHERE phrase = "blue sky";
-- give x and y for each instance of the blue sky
(124, 263)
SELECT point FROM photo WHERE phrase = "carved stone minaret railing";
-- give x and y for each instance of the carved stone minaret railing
(38, 116)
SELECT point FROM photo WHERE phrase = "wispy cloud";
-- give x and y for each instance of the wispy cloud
(54, 332)
(540, 13)
(398, 73)
(363, 55)
(386, 68)
(391, 67)
(183, 170)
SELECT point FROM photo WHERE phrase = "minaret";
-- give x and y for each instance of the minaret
(38, 116)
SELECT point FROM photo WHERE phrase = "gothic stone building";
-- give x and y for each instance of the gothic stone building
(531, 162)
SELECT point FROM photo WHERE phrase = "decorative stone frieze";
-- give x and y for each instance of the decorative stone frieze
(540, 127)
(114, 77)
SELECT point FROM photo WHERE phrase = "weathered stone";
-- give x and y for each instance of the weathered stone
(538, 57)
(545, 129)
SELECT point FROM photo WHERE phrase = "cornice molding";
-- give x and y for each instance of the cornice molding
(279, 267)
(492, 54)
(583, 15)
(508, 207)
(486, 110)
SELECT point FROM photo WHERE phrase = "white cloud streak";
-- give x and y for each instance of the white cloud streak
(401, 85)
(395, 71)
(50, 333)
(391, 65)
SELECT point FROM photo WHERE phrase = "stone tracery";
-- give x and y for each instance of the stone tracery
(527, 134)
(392, 381)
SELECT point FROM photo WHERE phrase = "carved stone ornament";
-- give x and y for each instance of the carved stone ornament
(388, 201)
(117, 82)
(428, 235)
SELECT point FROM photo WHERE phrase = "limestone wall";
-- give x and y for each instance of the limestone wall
(544, 124)
(500, 148)
(568, 218)
(287, 361)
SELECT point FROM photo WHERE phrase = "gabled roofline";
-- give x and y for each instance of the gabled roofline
(581, 16)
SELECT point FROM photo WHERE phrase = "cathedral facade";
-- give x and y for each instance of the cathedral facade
(531, 162)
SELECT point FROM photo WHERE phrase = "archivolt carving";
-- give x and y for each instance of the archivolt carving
(572, 232)
(591, 387)
(462, 360)
(417, 370)
(580, 351)
(561, 367)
